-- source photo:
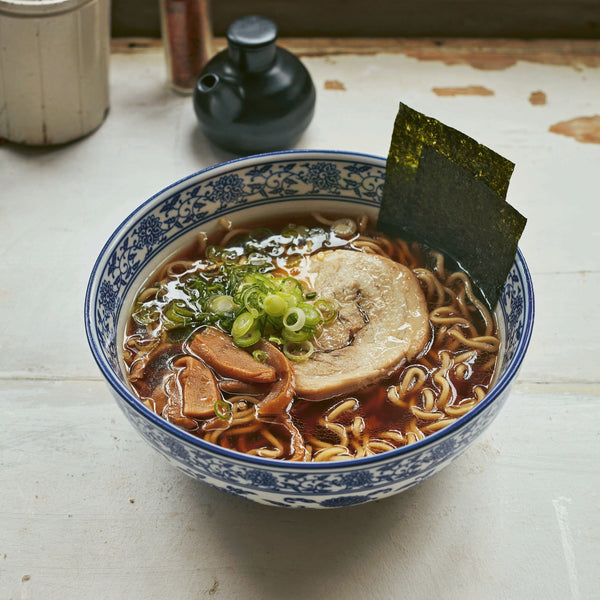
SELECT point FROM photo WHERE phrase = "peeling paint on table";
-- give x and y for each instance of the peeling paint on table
(467, 90)
(584, 129)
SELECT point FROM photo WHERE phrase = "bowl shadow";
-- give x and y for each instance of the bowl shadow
(305, 553)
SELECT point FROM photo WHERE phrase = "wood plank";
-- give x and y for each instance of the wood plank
(358, 95)
(487, 54)
(93, 512)
(88, 510)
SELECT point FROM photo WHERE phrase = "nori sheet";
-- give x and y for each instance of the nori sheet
(445, 189)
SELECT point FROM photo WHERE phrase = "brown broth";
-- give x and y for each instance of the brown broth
(378, 413)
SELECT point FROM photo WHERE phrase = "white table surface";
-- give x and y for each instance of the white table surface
(88, 510)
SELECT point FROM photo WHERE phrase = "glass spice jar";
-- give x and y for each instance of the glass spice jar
(187, 38)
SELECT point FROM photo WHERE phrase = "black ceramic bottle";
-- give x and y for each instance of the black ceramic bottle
(254, 96)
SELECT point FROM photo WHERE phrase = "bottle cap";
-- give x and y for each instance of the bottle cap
(251, 43)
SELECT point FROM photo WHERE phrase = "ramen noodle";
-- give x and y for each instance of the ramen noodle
(222, 341)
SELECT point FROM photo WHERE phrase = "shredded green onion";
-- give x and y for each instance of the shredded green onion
(146, 314)
(238, 290)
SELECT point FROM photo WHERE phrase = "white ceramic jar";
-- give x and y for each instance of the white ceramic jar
(54, 59)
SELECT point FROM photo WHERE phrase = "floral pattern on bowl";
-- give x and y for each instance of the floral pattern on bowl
(267, 181)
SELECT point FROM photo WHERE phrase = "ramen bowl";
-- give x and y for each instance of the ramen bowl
(270, 185)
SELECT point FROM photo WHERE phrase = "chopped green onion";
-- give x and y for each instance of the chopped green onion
(242, 325)
(222, 305)
(298, 351)
(327, 309)
(219, 254)
(182, 309)
(178, 314)
(290, 299)
(291, 231)
(248, 339)
(260, 356)
(294, 319)
(292, 286)
(146, 315)
(213, 253)
(260, 233)
(222, 409)
(253, 296)
(258, 258)
(312, 315)
(297, 336)
(275, 251)
(237, 289)
(274, 305)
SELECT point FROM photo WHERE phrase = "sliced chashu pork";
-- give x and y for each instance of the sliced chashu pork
(382, 320)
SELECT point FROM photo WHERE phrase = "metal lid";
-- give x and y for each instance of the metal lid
(36, 8)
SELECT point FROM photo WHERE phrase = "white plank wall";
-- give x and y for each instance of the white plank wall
(88, 511)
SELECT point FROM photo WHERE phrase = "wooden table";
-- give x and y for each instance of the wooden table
(87, 511)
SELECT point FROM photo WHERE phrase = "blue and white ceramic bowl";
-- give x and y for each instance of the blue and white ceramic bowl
(271, 184)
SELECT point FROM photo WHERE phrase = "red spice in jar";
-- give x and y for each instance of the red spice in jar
(187, 37)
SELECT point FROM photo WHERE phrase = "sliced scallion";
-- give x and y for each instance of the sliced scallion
(248, 339)
(259, 356)
(222, 305)
(294, 319)
(146, 314)
(297, 336)
(312, 315)
(241, 293)
(274, 305)
(292, 286)
(222, 409)
(327, 309)
(298, 351)
(242, 325)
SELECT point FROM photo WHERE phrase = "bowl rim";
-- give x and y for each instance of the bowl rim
(118, 386)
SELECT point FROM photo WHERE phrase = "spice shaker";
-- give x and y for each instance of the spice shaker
(187, 38)
(254, 96)
(54, 62)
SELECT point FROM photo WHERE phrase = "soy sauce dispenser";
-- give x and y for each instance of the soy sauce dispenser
(254, 96)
